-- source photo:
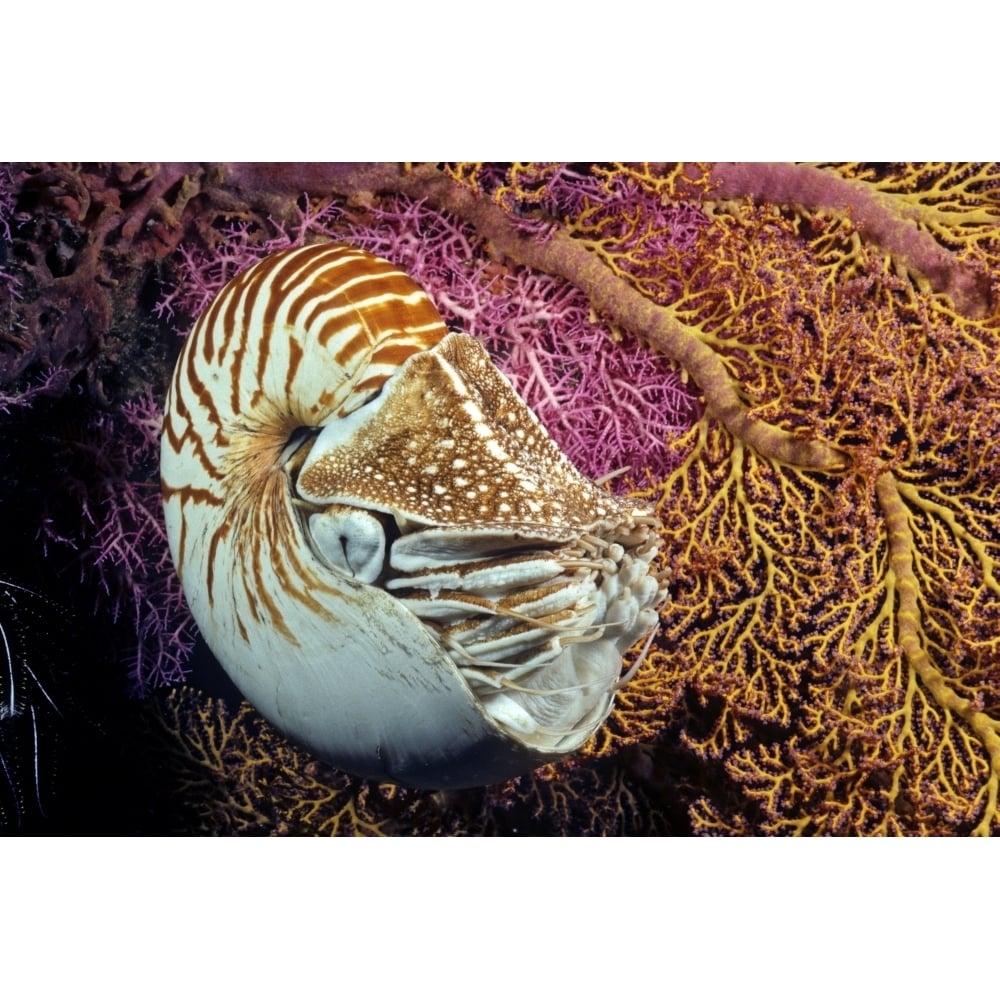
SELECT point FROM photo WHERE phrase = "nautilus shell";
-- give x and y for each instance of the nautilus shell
(379, 541)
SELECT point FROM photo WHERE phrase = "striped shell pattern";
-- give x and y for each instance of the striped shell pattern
(380, 543)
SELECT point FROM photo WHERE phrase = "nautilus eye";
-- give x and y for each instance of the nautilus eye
(379, 541)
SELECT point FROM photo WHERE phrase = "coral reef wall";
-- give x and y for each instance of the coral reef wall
(796, 364)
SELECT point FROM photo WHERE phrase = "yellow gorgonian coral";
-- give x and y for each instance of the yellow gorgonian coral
(224, 771)
(834, 634)
(839, 631)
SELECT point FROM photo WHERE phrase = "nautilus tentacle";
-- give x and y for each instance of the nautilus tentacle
(380, 543)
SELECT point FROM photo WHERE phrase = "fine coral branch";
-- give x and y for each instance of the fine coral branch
(910, 632)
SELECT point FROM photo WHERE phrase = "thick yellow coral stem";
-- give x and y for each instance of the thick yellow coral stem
(909, 632)
(629, 309)
(658, 325)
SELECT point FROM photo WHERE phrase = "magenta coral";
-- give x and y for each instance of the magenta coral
(7, 199)
(109, 479)
(52, 383)
(609, 405)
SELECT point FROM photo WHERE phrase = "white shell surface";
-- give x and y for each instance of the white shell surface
(320, 401)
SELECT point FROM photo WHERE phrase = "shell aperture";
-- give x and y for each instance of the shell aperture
(380, 542)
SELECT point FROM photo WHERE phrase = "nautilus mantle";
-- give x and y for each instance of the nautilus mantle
(380, 543)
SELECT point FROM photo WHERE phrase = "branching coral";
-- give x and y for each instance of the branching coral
(219, 771)
(109, 513)
(865, 625)
(850, 621)
(225, 772)
(918, 215)
(8, 281)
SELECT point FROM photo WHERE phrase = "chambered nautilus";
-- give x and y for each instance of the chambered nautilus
(380, 543)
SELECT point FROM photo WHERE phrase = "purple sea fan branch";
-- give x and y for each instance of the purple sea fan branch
(7, 199)
(570, 192)
(607, 404)
(53, 383)
(10, 285)
(202, 273)
(146, 417)
(111, 496)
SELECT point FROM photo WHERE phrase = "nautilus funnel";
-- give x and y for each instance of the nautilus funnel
(379, 541)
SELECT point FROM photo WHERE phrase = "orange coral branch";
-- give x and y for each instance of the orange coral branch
(909, 630)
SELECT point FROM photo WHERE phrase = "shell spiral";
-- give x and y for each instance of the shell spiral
(380, 543)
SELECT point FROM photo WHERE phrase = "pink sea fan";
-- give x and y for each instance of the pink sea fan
(9, 283)
(7, 198)
(609, 405)
(625, 210)
(129, 551)
(50, 384)
(571, 190)
(121, 543)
